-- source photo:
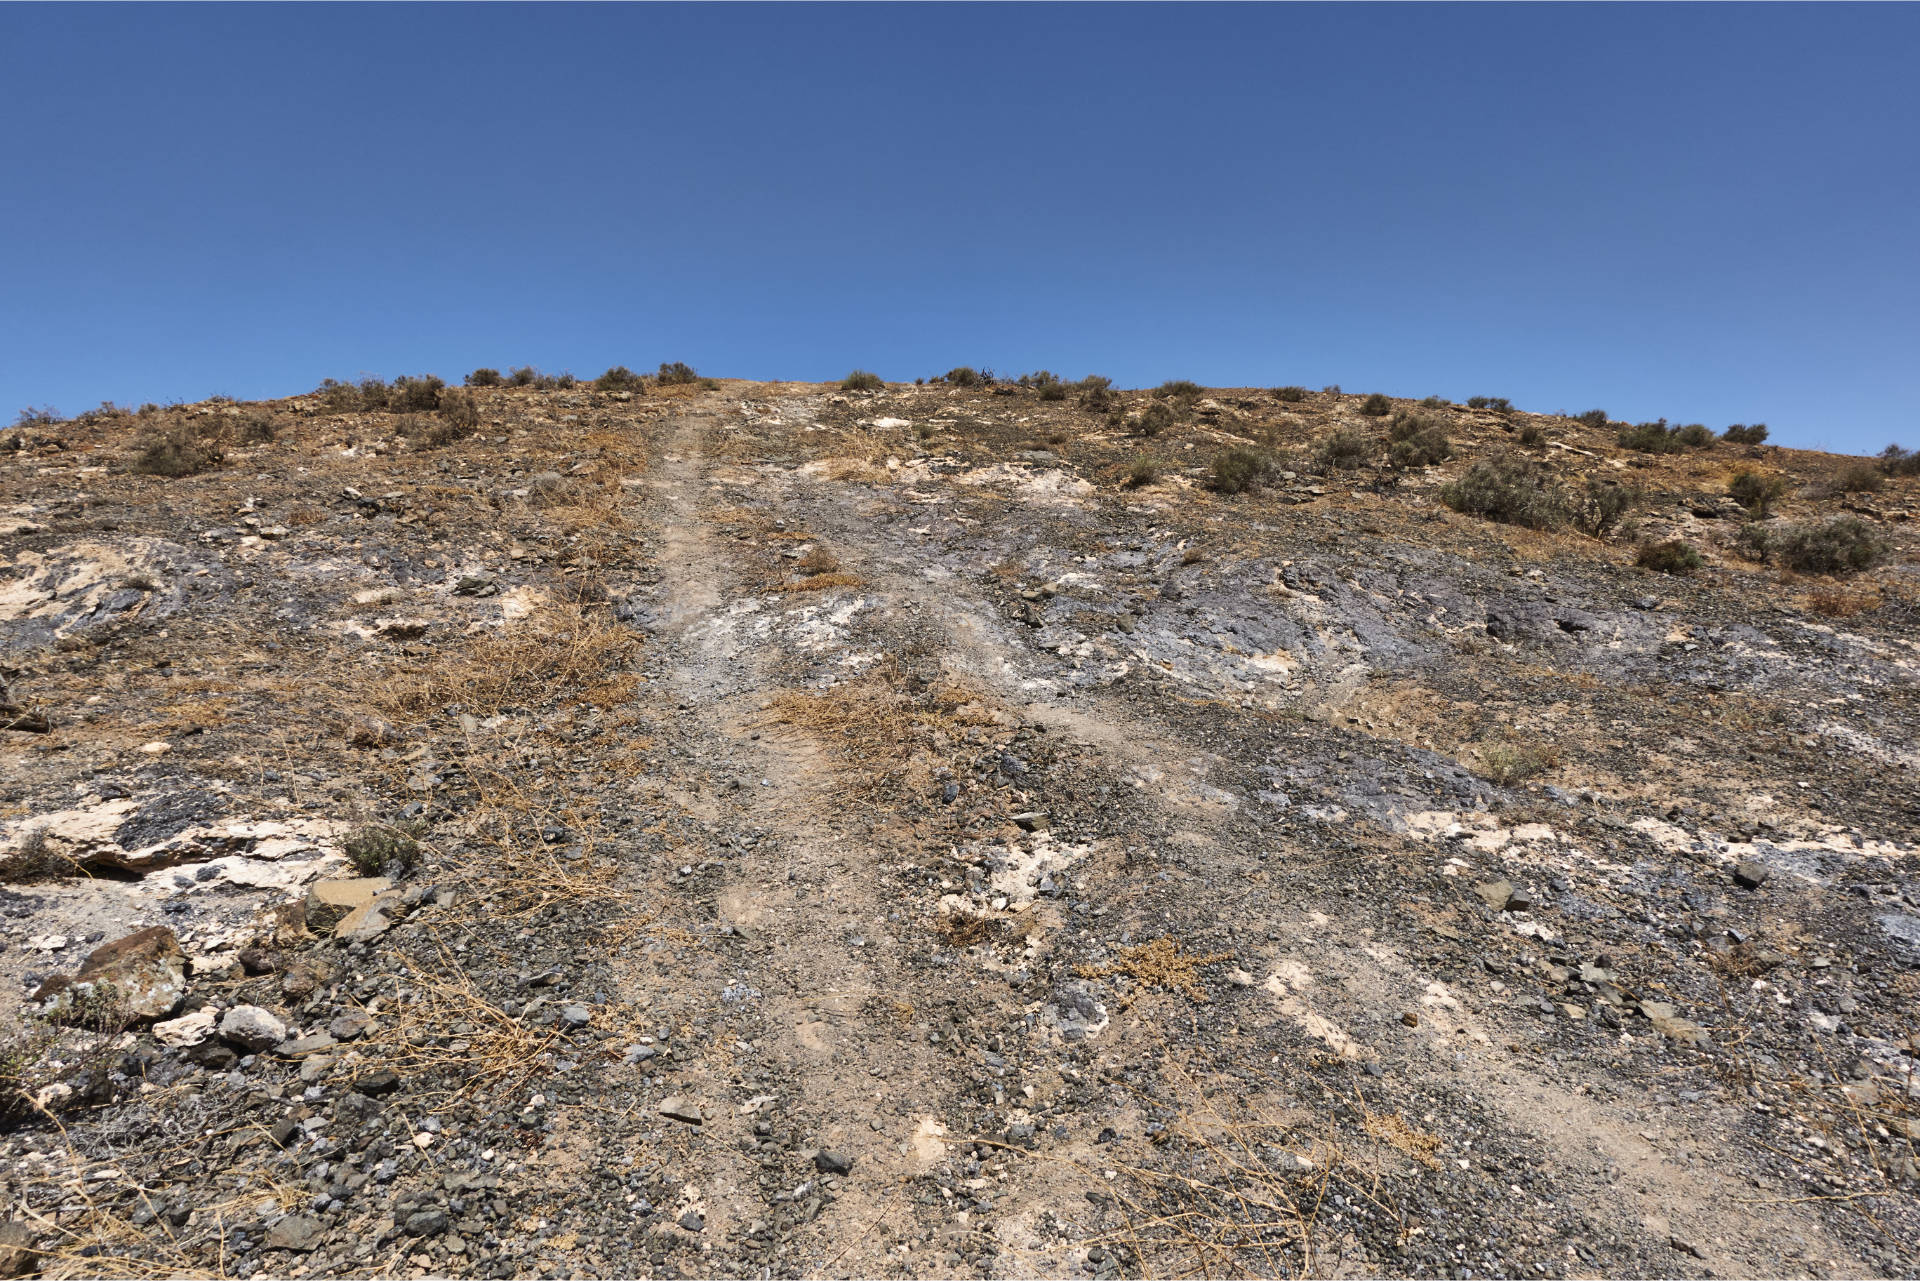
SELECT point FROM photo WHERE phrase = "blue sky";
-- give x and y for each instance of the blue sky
(1698, 212)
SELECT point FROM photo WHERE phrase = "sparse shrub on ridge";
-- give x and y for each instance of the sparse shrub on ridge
(1414, 440)
(484, 378)
(523, 376)
(1670, 557)
(963, 376)
(1756, 491)
(1181, 389)
(1895, 461)
(177, 452)
(861, 380)
(1658, 438)
(1695, 436)
(1531, 435)
(676, 373)
(1290, 395)
(1096, 392)
(1343, 450)
(416, 395)
(619, 378)
(1507, 488)
(1594, 418)
(1144, 471)
(1235, 471)
(40, 416)
(1499, 403)
(1435, 402)
(1742, 434)
(1376, 406)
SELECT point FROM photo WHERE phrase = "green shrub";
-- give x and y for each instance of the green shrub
(1376, 406)
(1343, 450)
(1500, 403)
(1756, 491)
(1857, 478)
(1670, 557)
(861, 380)
(1235, 471)
(1649, 438)
(484, 378)
(1414, 440)
(619, 378)
(418, 395)
(1741, 434)
(1895, 461)
(1531, 435)
(177, 452)
(963, 376)
(460, 411)
(1053, 391)
(710, 384)
(1839, 545)
(676, 373)
(1155, 418)
(563, 380)
(375, 394)
(1290, 395)
(1096, 392)
(1754, 542)
(1599, 506)
(523, 376)
(1144, 471)
(1181, 389)
(371, 848)
(1436, 402)
(337, 397)
(1507, 488)
(1594, 418)
(1695, 436)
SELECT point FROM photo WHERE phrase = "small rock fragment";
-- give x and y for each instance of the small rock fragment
(252, 1028)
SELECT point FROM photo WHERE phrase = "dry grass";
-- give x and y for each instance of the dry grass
(554, 654)
(1159, 963)
(964, 929)
(1837, 602)
(1505, 762)
(819, 583)
(858, 471)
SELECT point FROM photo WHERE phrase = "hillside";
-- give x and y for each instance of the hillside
(984, 830)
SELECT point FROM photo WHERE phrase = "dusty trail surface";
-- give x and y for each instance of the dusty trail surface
(857, 835)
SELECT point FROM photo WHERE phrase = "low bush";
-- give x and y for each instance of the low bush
(1144, 471)
(1343, 450)
(861, 380)
(417, 395)
(1593, 418)
(1695, 436)
(1096, 392)
(1181, 389)
(1436, 402)
(619, 378)
(1290, 395)
(1895, 461)
(1053, 391)
(963, 376)
(1756, 491)
(177, 452)
(1155, 418)
(1670, 557)
(1507, 488)
(459, 411)
(1531, 435)
(1742, 434)
(37, 416)
(1500, 403)
(1857, 478)
(1649, 438)
(1839, 545)
(1235, 471)
(1415, 440)
(1376, 406)
(1599, 506)
(676, 373)
(1507, 763)
(372, 848)
(523, 376)
(484, 378)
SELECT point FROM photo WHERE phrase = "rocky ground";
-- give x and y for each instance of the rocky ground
(766, 830)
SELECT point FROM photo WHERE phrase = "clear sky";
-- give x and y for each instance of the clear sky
(1707, 213)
